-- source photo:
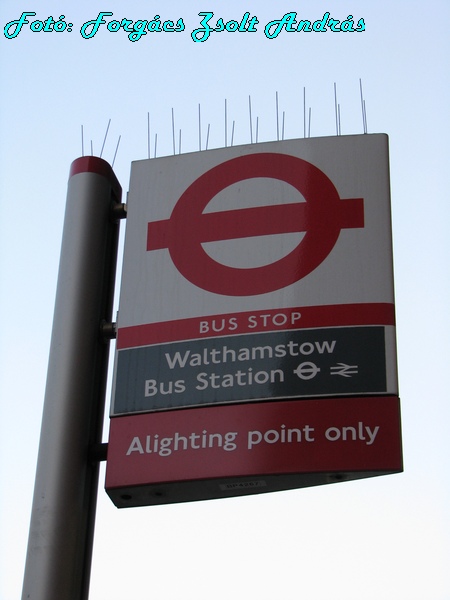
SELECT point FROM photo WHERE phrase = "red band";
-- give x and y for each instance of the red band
(338, 315)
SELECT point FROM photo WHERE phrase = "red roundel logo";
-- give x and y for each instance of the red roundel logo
(321, 217)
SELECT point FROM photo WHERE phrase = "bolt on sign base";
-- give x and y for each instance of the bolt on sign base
(234, 450)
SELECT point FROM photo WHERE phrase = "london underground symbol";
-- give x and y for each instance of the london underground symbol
(321, 216)
(307, 370)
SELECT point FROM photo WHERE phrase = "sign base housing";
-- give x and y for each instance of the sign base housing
(225, 451)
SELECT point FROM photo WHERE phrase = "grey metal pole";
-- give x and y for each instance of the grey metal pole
(63, 512)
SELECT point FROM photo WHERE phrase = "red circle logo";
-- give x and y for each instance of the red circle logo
(321, 217)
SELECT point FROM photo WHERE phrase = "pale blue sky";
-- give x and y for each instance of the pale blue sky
(380, 538)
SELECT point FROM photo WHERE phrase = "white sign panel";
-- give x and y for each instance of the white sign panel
(257, 272)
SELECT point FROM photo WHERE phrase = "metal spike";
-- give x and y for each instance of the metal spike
(225, 122)
(250, 117)
(278, 125)
(336, 109)
(173, 131)
(363, 107)
(304, 112)
(107, 129)
(199, 129)
(115, 153)
(148, 134)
